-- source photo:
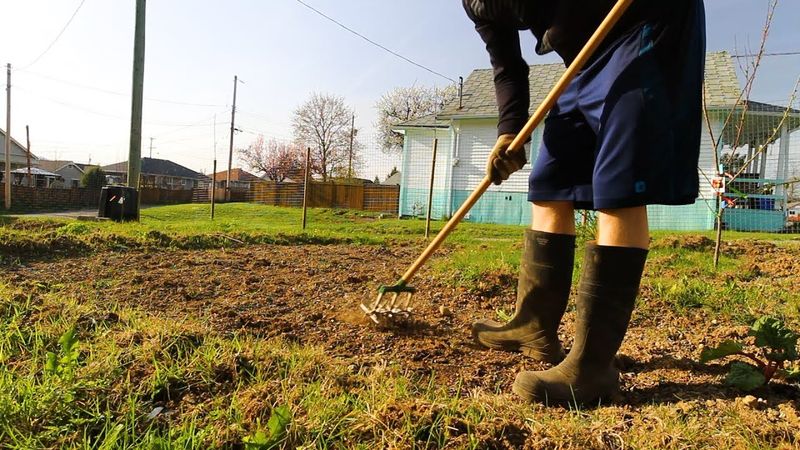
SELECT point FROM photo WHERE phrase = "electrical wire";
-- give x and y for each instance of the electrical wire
(57, 36)
(373, 42)
(122, 94)
(753, 55)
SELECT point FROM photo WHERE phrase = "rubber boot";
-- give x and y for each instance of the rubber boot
(606, 295)
(542, 292)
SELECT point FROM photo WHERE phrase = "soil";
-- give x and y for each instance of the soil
(310, 294)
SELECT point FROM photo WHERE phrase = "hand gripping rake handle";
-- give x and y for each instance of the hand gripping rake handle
(588, 50)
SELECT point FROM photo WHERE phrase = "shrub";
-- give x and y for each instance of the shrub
(94, 178)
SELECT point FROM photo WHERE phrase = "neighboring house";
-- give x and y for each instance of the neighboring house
(158, 173)
(240, 179)
(394, 179)
(41, 178)
(467, 134)
(19, 155)
(70, 171)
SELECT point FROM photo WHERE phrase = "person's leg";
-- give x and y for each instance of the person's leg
(554, 217)
(624, 227)
(561, 176)
(545, 279)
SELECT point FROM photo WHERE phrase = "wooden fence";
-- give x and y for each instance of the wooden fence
(366, 197)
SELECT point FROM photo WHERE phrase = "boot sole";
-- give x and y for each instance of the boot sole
(527, 394)
(517, 347)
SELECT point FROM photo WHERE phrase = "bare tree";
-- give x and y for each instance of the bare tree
(406, 103)
(734, 124)
(323, 123)
(278, 160)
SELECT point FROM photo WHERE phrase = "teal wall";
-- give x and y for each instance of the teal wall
(414, 202)
(696, 217)
(513, 208)
(754, 220)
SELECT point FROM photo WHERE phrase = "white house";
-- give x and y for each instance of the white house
(19, 155)
(466, 132)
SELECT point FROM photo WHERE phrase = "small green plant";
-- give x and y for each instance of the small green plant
(63, 364)
(503, 315)
(273, 436)
(775, 355)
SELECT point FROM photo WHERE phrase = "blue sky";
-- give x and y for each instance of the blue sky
(281, 50)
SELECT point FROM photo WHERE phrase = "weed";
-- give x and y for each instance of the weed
(776, 351)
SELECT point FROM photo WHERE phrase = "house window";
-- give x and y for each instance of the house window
(75, 183)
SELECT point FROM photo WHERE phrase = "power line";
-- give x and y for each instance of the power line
(110, 116)
(373, 42)
(753, 55)
(122, 94)
(57, 36)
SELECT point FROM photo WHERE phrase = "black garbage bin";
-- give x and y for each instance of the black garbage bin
(119, 203)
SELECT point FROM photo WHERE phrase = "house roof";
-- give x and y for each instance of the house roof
(479, 96)
(429, 121)
(153, 166)
(35, 171)
(55, 165)
(19, 153)
(52, 165)
(236, 175)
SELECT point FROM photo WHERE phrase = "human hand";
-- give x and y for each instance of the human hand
(504, 161)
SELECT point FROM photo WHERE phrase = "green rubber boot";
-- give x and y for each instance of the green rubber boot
(607, 292)
(545, 277)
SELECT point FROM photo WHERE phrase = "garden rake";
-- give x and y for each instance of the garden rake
(393, 302)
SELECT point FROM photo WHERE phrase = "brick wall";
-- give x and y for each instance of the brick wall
(25, 198)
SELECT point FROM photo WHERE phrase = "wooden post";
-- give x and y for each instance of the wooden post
(135, 148)
(7, 173)
(213, 188)
(430, 191)
(28, 138)
(230, 149)
(350, 158)
(306, 177)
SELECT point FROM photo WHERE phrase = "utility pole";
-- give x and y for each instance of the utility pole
(7, 173)
(28, 138)
(135, 149)
(151, 147)
(233, 128)
(352, 136)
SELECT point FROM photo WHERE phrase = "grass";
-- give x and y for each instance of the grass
(243, 391)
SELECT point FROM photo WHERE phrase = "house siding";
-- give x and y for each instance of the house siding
(507, 203)
(416, 171)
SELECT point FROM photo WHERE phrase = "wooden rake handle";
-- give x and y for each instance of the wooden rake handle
(588, 50)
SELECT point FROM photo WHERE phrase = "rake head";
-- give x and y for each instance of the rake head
(392, 304)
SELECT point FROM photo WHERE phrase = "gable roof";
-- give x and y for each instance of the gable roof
(52, 165)
(153, 166)
(237, 174)
(56, 165)
(19, 153)
(479, 97)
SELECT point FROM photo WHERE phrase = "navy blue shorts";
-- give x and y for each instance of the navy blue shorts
(627, 130)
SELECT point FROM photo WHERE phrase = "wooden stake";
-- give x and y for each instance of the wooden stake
(213, 188)
(306, 184)
(430, 191)
(28, 138)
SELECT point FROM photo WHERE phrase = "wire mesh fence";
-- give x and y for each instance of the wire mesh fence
(753, 183)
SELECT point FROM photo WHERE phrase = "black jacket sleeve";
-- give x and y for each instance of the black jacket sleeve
(510, 72)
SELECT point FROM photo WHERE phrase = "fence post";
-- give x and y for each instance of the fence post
(430, 191)
(306, 176)
(213, 188)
